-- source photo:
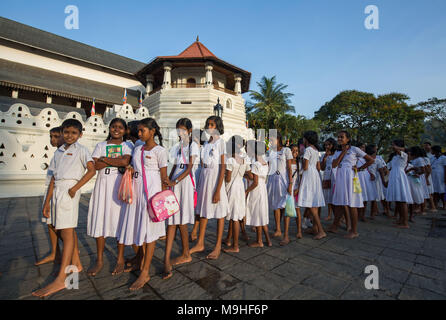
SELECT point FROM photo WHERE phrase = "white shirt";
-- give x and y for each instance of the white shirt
(70, 164)
(101, 150)
(277, 160)
(212, 152)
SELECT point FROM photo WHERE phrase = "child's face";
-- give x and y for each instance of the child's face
(71, 135)
(183, 133)
(145, 134)
(342, 139)
(55, 138)
(211, 128)
(327, 146)
(117, 130)
(295, 152)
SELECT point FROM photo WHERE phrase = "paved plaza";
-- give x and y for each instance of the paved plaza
(411, 263)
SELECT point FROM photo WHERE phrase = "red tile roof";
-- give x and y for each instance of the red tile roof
(195, 50)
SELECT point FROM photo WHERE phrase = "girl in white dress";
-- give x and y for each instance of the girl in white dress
(198, 138)
(416, 189)
(136, 227)
(367, 178)
(326, 166)
(104, 210)
(279, 183)
(212, 198)
(182, 180)
(236, 166)
(310, 189)
(257, 210)
(398, 189)
(343, 195)
(419, 164)
(438, 164)
(430, 185)
(295, 169)
(382, 172)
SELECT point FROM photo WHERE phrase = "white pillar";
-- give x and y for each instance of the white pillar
(167, 78)
(15, 94)
(238, 84)
(209, 66)
(78, 104)
(49, 99)
(149, 86)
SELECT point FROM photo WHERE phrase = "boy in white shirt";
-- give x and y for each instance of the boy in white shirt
(69, 165)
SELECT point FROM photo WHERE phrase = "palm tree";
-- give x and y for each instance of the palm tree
(271, 103)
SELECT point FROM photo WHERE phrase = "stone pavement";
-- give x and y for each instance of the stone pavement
(411, 263)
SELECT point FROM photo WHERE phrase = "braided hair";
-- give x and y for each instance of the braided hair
(150, 123)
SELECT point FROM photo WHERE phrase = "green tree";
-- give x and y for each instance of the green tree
(435, 110)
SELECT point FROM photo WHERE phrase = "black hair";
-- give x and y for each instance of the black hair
(436, 149)
(150, 123)
(72, 123)
(122, 121)
(348, 135)
(198, 134)
(133, 129)
(427, 142)
(184, 122)
(56, 129)
(260, 148)
(358, 144)
(391, 156)
(398, 143)
(218, 124)
(370, 149)
(234, 145)
(416, 152)
(333, 143)
(311, 137)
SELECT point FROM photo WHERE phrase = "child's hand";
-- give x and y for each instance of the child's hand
(46, 210)
(72, 192)
(290, 189)
(169, 183)
(216, 197)
(372, 177)
(296, 192)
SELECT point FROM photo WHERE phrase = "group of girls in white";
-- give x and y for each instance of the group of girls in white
(238, 182)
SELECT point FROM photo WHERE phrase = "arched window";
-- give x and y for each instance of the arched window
(228, 104)
(191, 83)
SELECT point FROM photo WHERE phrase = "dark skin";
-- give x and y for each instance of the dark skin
(148, 136)
(70, 253)
(117, 131)
(343, 140)
(401, 207)
(199, 247)
(328, 152)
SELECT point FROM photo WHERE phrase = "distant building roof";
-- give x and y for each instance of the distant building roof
(46, 41)
(21, 76)
(195, 50)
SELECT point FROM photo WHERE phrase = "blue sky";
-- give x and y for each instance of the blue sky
(317, 47)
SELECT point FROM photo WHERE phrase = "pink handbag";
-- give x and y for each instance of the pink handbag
(163, 204)
(193, 182)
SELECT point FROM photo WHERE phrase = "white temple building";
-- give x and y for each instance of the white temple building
(45, 79)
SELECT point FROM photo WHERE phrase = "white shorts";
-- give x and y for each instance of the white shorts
(65, 208)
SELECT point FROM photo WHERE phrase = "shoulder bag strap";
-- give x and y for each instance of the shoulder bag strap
(144, 174)
(184, 160)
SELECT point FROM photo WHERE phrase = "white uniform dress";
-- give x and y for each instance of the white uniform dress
(198, 174)
(380, 189)
(343, 194)
(278, 178)
(416, 189)
(438, 167)
(310, 191)
(49, 175)
(135, 226)
(235, 189)
(369, 192)
(257, 213)
(68, 168)
(105, 208)
(327, 176)
(211, 155)
(430, 186)
(420, 163)
(398, 189)
(184, 190)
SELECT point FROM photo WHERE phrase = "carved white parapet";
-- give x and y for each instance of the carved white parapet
(238, 84)
(167, 81)
(209, 66)
(142, 113)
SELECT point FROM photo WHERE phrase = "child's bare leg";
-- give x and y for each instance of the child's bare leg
(432, 204)
(217, 250)
(337, 219)
(76, 259)
(374, 210)
(228, 240)
(285, 239)
(404, 216)
(385, 205)
(100, 245)
(136, 262)
(411, 211)
(55, 250)
(144, 276)
(317, 223)
(259, 242)
(171, 231)
(329, 213)
(193, 234)
(67, 255)
(120, 263)
(199, 247)
(243, 230)
(361, 212)
(277, 216)
(185, 257)
(298, 223)
(354, 224)
(348, 220)
(267, 238)
(236, 231)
